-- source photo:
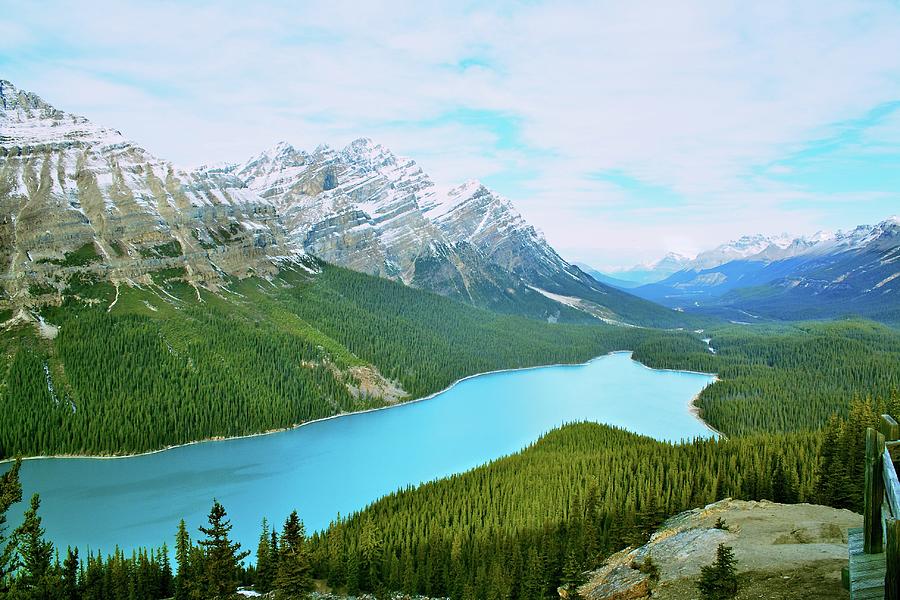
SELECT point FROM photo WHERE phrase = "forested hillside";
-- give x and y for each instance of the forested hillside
(139, 368)
(779, 378)
(526, 524)
(523, 525)
(517, 528)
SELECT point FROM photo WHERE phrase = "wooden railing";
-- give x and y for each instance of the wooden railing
(881, 523)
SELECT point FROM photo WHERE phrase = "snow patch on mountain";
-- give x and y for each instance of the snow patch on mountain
(26, 120)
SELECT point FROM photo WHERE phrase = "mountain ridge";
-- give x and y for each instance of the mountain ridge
(71, 188)
(827, 274)
(368, 209)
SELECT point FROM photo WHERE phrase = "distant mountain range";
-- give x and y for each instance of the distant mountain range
(825, 275)
(77, 198)
(649, 272)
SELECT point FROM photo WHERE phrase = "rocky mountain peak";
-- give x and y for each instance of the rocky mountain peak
(26, 120)
(323, 150)
(283, 151)
(365, 152)
(12, 98)
(361, 207)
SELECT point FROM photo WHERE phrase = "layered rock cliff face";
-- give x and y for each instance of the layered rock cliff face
(77, 199)
(357, 207)
(365, 208)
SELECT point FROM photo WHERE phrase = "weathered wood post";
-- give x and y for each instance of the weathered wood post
(891, 431)
(874, 493)
(892, 560)
(889, 428)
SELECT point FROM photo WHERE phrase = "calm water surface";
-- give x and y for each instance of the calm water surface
(342, 464)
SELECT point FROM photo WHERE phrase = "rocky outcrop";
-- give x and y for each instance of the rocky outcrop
(766, 537)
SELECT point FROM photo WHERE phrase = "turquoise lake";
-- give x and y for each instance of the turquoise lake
(343, 464)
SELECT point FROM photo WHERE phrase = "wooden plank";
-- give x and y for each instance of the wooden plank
(874, 492)
(894, 450)
(892, 487)
(865, 571)
(892, 561)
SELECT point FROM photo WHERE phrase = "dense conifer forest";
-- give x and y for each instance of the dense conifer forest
(523, 525)
(161, 367)
(518, 528)
(778, 378)
(139, 369)
(135, 369)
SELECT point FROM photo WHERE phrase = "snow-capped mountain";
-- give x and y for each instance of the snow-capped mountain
(749, 247)
(472, 214)
(365, 208)
(68, 184)
(647, 272)
(357, 207)
(840, 272)
(80, 200)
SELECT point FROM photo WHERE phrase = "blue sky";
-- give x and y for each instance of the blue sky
(622, 130)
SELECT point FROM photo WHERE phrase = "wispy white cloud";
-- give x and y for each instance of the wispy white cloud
(705, 100)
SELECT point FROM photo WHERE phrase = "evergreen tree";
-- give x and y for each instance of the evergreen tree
(166, 581)
(783, 488)
(573, 575)
(222, 557)
(370, 546)
(718, 581)
(352, 574)
(294, 577)
(825, 490)
(185, 578)
(534, 584)
(10, 493)
(265, 567)
(274, 552)
(33, 577)
(93, 578)
(70, 575)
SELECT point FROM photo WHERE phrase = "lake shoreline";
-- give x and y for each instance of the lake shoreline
(698, 413)
(692, 403)
(692, 409)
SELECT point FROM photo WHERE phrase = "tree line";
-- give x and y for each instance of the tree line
(210, 568)
(162, 368)
(517, 528)
(269, 355)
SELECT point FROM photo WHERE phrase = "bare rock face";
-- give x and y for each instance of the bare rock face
(367, 209)
(765, 536)
(357, 207)
(80, 200)
(77, 198)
